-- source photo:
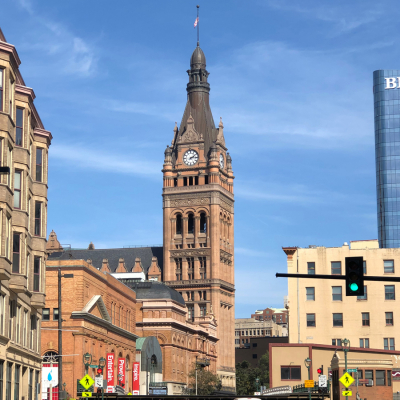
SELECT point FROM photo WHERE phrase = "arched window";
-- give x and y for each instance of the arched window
(179, 224)
(190, 223)
(203, 223)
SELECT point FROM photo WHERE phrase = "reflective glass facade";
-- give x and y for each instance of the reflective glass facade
(387, 155)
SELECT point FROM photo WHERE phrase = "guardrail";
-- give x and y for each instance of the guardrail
(287, 389)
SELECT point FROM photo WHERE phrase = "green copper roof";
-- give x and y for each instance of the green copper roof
(139, 343)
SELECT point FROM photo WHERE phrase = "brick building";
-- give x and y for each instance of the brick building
(160, 311)
(99, 314)
(278, 315)
(24, 145)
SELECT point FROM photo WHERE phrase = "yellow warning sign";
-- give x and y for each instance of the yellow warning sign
(346, 379)
(86, 394)
(347, 393)
(86, 382)
(309, 383)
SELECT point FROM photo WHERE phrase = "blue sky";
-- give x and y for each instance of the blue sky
(291, 79)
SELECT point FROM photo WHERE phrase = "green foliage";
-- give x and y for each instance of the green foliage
(207, 381)
(246, 376)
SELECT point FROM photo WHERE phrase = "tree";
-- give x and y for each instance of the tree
(207, 381)
(246, 376)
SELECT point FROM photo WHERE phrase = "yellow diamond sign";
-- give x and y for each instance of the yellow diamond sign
(346, 379)
(86, 382)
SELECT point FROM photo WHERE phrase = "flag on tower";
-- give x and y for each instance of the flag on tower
(196, 22)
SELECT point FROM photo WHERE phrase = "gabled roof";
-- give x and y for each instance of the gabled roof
(97, 301)
(113, 255)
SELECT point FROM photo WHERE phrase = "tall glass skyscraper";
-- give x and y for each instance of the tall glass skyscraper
(387, 155)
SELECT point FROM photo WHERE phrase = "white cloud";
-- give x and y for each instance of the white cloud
(105, 161)
(69, 53)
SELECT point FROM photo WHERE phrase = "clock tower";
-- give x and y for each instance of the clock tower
(198, 218)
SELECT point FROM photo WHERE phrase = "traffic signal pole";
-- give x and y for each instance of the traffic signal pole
(340, 277)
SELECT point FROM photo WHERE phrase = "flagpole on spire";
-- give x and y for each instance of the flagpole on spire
(198, 27)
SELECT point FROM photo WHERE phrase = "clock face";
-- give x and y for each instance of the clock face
(221, 161)
(190, 157)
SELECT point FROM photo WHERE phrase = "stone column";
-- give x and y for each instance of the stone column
(196, 231)
(184, 231)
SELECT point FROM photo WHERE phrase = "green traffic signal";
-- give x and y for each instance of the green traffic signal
(353, 287)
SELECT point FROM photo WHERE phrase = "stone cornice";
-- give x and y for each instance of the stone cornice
(43, 133)
(211, 187)
(200, 252)
(103, 323)
(9, 48)
(202, 282)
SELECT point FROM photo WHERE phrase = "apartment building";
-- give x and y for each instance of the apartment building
(24, 145)
(320, 312)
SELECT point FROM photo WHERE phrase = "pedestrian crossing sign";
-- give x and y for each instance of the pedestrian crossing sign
(346, 379)
(86, 381)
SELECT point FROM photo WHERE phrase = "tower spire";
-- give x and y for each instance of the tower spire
(198, 27)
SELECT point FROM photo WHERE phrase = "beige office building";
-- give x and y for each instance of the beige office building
(24, 147)
(320, 312)
(247, 328)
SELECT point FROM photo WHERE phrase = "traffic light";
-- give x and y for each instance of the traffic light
(354, 276)
(99, 371)
(320, 370)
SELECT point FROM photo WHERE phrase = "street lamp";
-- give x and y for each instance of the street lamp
(102, 364)
(257, 385)
(307, 363)
(87, 359)
(345, 348)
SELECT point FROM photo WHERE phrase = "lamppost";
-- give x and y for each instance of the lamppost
(257, 385)
(87, 359)
(307, 363)
(102, 364)
(60, 320)
(196, 375)
(287, 316)
(345, 348)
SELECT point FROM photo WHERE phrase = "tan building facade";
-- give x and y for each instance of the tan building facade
(24, 145)
(320, 312)
(198, 212)
(247, 328)
(287, 367)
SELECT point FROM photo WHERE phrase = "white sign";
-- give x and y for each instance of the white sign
(322, 381)
(392, 83)
(49, 377)
(98, 381)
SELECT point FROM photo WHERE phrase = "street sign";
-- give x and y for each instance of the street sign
(362, 381)
(352, 370)
(98, 381)
(86, 381)
(322, 382)
(346, 379)
(309, 383)
(347, 393)
(257, 393)
(86, 394)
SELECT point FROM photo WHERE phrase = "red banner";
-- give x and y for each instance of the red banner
(110, 372)
(121, 372)
(135, 378)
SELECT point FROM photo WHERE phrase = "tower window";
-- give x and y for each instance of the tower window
(38, 218)
(175, 182)
(196, 180)
(179, 224)
(203, 223)
(206, 180)
(190, 223)
(17, 189)
(190, 180)
(185, 181)
(1, 88)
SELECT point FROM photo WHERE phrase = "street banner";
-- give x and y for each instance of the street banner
(110, 372)
(121, 372)
(135, 378)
